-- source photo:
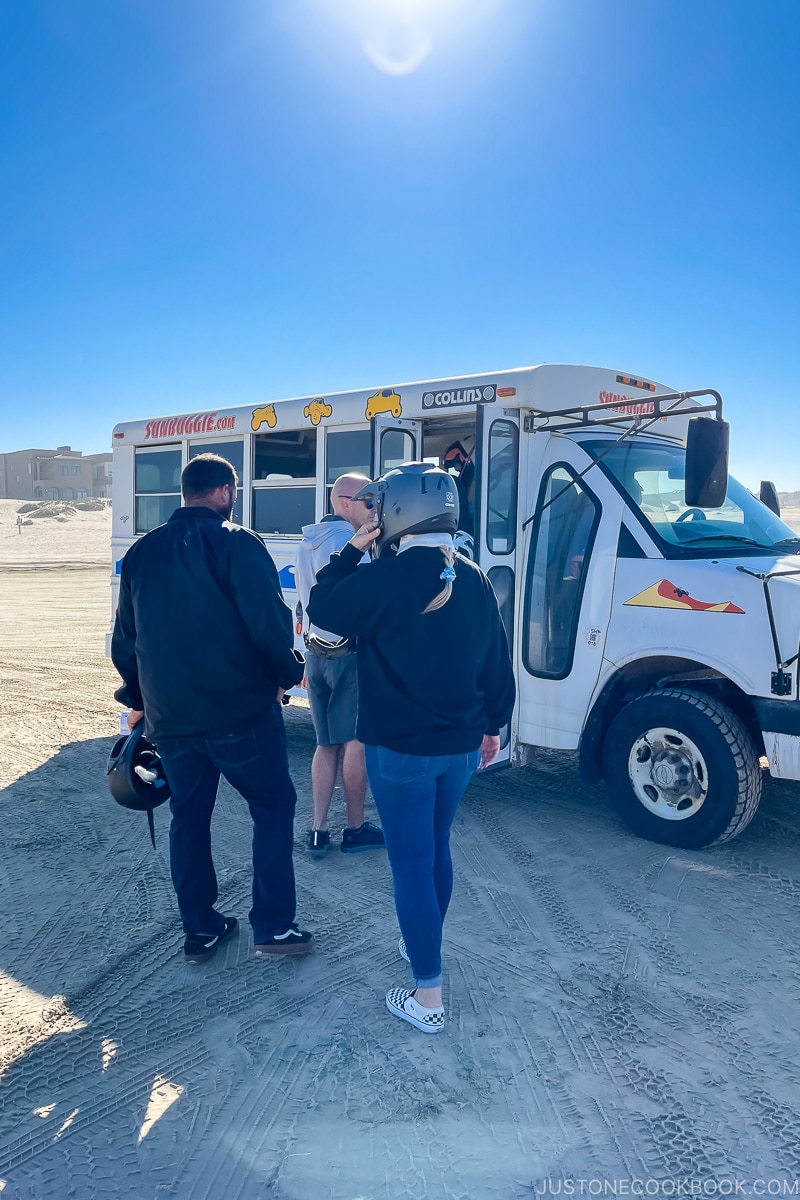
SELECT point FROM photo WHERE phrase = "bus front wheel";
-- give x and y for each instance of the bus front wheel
(681, 769)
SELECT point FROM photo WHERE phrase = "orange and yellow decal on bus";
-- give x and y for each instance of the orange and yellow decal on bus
(316, 410)
(666, 595)
(385, 401)
(261, 415)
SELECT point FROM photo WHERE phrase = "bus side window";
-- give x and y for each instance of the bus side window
(157, 486)
(501, 499)
(564, 532)
(347, 451)
(284, 481)
(233, 451)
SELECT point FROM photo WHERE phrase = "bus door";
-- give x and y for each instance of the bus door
(395, 440)
(495, 518)
(570, 554)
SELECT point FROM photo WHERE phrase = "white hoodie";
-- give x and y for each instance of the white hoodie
(319, 542)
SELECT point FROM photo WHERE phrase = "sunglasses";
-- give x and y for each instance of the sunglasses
(368, 504)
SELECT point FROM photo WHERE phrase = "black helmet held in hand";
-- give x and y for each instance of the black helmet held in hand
(136, 775)
(412, 498)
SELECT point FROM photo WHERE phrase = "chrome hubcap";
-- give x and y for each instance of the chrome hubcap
(668, 774)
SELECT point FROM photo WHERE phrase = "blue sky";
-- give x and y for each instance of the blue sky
(208, 202)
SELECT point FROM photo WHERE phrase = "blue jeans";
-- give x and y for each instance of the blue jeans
(417, 798)
(253, 759)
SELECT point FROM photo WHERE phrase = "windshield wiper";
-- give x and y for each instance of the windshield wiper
(794, 541)
(726, 537)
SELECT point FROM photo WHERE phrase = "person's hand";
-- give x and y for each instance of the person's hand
(366, 534)
(134, 717)
(280, 695)
(490, 748)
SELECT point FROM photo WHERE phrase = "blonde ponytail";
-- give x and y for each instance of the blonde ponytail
(448, 575)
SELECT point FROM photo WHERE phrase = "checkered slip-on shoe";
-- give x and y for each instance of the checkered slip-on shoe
(401, 1002)
(401, 946)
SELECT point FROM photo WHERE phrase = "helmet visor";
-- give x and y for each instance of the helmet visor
(370, 498)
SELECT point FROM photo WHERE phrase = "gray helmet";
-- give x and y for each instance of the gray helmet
(136, 777)
(412, 498)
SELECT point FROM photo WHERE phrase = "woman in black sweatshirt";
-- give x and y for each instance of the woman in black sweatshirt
(435, 686)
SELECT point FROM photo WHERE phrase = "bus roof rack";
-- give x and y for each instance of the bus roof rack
(671, 404)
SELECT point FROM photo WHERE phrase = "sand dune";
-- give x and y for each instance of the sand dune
(79, 541)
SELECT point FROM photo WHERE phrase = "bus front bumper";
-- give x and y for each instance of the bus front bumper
(780, 725)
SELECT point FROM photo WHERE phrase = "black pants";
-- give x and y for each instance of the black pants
(253, 759)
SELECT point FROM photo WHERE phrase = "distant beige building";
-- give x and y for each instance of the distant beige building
(60, 474)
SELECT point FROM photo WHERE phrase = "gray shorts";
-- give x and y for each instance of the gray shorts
(332, 686)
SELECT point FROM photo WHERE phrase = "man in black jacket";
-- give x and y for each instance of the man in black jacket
(203, 642)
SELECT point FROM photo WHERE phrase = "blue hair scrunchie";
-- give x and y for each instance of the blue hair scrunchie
(448, 574)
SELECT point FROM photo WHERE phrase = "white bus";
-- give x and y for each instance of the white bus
(652, 605)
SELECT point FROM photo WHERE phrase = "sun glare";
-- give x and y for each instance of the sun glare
(163, 1095)
(406, 6)
(398, 52)
(397, 36)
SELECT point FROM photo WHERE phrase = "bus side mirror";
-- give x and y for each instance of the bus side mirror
(706, 462)
(768, 495)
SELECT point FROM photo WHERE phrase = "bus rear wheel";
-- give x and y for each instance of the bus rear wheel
(681, 769)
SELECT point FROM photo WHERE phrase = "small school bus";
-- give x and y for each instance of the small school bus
(652, 603)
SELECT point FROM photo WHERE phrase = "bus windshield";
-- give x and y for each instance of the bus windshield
(652, 474)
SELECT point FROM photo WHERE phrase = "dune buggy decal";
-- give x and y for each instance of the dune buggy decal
(666, 595)
(261, 415)
(316, 410)
(385, 401)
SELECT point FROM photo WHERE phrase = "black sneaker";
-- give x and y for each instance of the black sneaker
(318, 842)
(293, 941)
(368, 837)
(200, 947)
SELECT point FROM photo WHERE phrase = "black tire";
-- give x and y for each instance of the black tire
(696, 785)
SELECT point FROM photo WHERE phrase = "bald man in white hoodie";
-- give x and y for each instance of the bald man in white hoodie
(332, 684)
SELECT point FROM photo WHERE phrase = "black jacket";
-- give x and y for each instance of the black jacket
(431, 683)
(203, 638)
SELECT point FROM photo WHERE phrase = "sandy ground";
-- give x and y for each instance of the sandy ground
(617, 1011)
(792, 517)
